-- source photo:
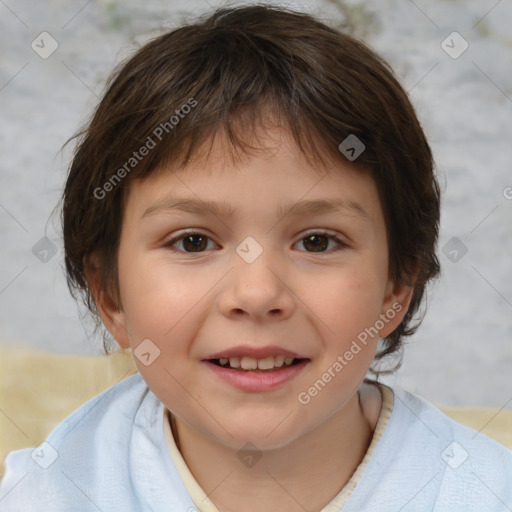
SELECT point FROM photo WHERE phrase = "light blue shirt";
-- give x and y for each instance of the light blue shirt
(111, 455)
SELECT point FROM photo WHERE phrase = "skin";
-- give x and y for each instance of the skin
(192, 304)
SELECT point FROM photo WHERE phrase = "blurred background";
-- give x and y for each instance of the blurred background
(454, 58)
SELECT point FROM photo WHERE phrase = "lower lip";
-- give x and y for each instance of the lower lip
(257, 381)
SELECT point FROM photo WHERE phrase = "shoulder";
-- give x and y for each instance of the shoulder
(107, 411)
(88, 460)
(122, 399)
(430, 462)
(472, 466)
(419, 414)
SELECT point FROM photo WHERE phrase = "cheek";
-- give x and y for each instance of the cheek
(158, 301)
(156, 296)
(350, 300)
(348, 309)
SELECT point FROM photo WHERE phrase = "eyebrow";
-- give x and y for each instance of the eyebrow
(223, 209)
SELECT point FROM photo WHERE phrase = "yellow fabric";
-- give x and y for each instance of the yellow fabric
(38, 390)
(493, 422)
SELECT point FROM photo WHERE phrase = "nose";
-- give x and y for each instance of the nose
(258, 290)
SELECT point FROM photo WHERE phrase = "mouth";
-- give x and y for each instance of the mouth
(269, 364)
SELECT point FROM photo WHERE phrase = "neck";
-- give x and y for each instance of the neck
(305, 474)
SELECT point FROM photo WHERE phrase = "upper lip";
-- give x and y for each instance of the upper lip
(254, 352)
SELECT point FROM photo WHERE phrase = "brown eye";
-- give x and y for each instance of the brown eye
(317, 243)
(196, 243)
(191, 243)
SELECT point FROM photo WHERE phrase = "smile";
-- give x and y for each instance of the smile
(267, 364)
(248, 376)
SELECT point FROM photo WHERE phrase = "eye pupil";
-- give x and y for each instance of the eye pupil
(195, 245)
(319, 242)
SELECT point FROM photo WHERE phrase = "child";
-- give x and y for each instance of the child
(253, 210)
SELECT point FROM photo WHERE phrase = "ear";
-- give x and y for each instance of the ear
(396, 303)
(111, 314)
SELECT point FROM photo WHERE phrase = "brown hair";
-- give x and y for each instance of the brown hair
(219, 74)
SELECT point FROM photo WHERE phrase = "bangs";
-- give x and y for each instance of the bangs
(247, 133)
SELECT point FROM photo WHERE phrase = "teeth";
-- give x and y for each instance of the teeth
(278, 361)
(266, 364)
(249, 363)
(234, 362)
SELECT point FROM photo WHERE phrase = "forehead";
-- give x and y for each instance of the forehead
(274, 175)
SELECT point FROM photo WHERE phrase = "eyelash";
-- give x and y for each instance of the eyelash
(340, 244)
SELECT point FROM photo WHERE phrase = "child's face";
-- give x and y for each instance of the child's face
(192, 305)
